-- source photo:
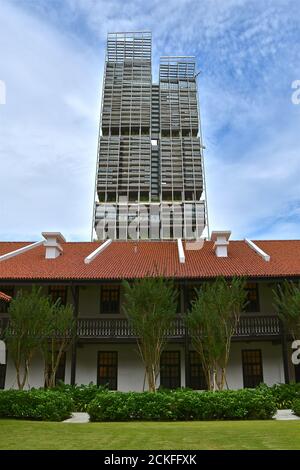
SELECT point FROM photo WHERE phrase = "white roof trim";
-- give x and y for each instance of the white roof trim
(96, 252)
(258, 250)
(180, 251)
(11, 254)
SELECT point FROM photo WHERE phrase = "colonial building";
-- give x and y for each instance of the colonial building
(89, 275)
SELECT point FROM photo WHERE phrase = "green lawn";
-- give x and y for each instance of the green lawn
(150, 436)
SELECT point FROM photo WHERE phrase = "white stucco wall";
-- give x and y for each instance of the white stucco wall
(89, 301)
(36, 373)
(266, 300)
(271, 361)
(130, 366)
(131, 369)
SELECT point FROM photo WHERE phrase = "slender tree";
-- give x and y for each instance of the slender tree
(56, 341)
(287, 304)
(212, 321)
(28, 321)
(150, 306)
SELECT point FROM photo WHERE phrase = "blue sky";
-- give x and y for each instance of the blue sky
(51, 61)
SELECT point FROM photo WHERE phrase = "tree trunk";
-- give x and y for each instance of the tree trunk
(214, 387)
(151, 378)
(22, 381)
(19, 382)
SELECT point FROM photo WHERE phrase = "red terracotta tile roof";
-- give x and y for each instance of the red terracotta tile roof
(5, 297)
(138, 259)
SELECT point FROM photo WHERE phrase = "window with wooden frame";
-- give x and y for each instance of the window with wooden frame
(110, 299)
(252, 367)
(252, 297)
(170, 369)
(197, 380)
(297, 373)
(8, 290)
(107, 370)
(191, 294)
(58, 292)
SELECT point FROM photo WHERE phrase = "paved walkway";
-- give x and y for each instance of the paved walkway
(78, 418)
(285, 415)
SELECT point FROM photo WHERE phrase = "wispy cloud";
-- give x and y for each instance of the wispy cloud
(248, 52)
(48, 130)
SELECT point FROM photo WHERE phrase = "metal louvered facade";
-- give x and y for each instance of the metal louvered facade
(150, 167)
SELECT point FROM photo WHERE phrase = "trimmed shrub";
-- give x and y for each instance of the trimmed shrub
(296, 407)
(183, 405)
(81, 395)
(42, 405)
(285, 394)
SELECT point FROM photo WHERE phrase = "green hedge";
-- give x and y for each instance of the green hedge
(183, 405)
(296, 407)
(42, 405)
(285, 394)
(82, 395)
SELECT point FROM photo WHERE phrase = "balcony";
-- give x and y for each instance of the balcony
(250, 326)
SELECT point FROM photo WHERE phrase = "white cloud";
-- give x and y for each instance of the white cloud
(48, 129)
(258, 193)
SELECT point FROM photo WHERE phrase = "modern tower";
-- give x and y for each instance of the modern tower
(150, 174)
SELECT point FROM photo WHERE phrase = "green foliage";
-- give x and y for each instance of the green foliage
(36, 323)
(287, 304)
(59, 330)
(150, 306)
(42, 405)
(296, 407)
(183, 405)
(81, 395)
(285, 394)
(212, 321)
(28, 313)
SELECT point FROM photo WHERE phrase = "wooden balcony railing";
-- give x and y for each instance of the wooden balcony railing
(267, 325)
(119, 328)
